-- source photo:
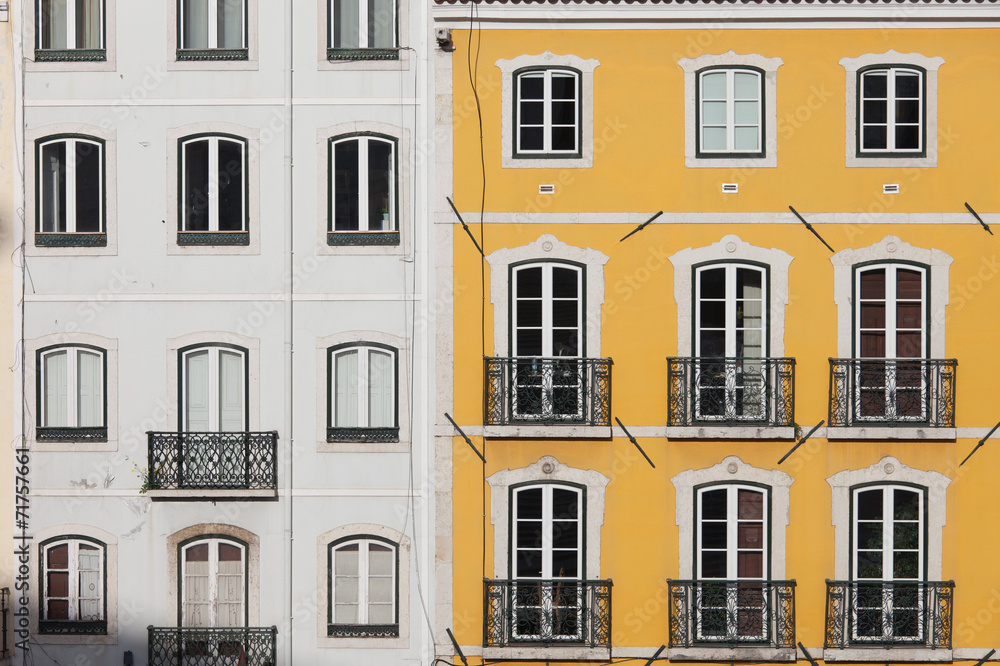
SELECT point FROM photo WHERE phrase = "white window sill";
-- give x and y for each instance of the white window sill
(547, 653)
(883, 655)
(723, 162)
(881, 162)
(730, 432)
(207, 495)
(554, 431)
(724, 653)
(903, 432)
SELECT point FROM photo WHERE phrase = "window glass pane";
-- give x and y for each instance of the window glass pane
(229, 23)
(565, 282)
(564, 113)
(565, 534)
(870, 536)
(563, 86)
(57, 610)
(907, 111)
(381, 24)
(747, 85)
(55, 409)
(747, 113)
(713, 85)
(57, 584)
(873, 283)
(194, 24)
(346, 589)
(90, 380)
(88, 24)
(346, 186)
(345, 613)
(905, 565)
(906, 505)
(713, 113)
(57, 557)
(565, 564)
(529, 312)
(380, 194)
(231, 195)
(381, 396)
(346, 383)
(380, 560)
(874, 138)
(713, 564)
(874, 85)
(713, 535)
(531, 138)
(746, 139)
(529, 282)
(532, 113)
(565, 503)
(532, 85)
(872, 315)
(714, 138)
(379, 591)
(564, 138)
(380, 614)
(908, 137)
(53, 24)
(907, 85)
(88, 187)
(529, 503)
(346, 560)
(869, 506)
(749, 565)
(52, 173)
(232, 389)
(195, 196)
(346, 24)
(713, 504)
(875, 111)
(750, 505)
(196, 395)
(909, 284)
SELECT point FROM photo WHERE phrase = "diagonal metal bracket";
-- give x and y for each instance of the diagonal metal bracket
(662, 648)
(810, 228)
(985, 226)
(458, 650)
(632, 439)
(465, 437)
(986, 658)
(465, 226)
(805, 652)
(980, 444)
(641, 226)
(802, 441)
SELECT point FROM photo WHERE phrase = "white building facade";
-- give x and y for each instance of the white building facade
(225, 332)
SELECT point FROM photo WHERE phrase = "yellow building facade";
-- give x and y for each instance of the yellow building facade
(718, 335)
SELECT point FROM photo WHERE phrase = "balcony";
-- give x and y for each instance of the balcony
(888, 615)
(536, 391)
(213, 465)
(731, 397)
(756, 618)
(547, 613)
(874, 397)
(187, 646)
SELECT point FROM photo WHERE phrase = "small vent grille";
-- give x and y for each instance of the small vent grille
(546, 189)
(730, 187)
(890, 189)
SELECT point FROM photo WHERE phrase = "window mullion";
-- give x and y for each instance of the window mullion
(888, 530)
(363, 385)
(213, 184)
(547, 532)
(70, 202)
(732, 531)
(213, 582)
(730, 110)
(547, 111)
(547, 306)
(214, 394)
(362, 23)
(70, 24)
(73, 588)
(72, 387)
(731, 305)
(213, 25)
(890, 312)
(890, 103)
(363, 192)
(363, 582)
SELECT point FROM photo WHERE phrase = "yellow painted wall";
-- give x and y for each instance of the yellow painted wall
(640, 87)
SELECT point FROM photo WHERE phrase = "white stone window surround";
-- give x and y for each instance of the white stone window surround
(402, 542)
(404, 199)
(252, 346)
(252, 166)
(731, 470)
(172, 64)
(731, 59)
(402, 35)
(110, 542)
(402, 392)
(891, 57)
(731, 249)
(546, 249)
(31, 138)
(546, 470)
(30, 36)
(110, 347)
(547, 60)
(252, 541)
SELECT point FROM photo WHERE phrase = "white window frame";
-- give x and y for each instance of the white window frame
(887, 521)
(730, 300)
(730, 100)
(71, 169)
(363, 212)
(891, 98)
(363, 26)
(70, 26)
(547, 126)
(213, 578)
(73, 599)
(364, 352)
(213, 186)
(768, 67)
(547, 529)
(363, 576)
(548, 303)
(214, 409)
(213, 22)
(852, 141)
(583, 157)
(891, 328)
(72, 383)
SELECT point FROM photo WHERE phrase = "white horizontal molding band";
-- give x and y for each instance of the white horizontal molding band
(222, 101)
(786, 217)
(187, 298)
(646, 431)
(282, 492)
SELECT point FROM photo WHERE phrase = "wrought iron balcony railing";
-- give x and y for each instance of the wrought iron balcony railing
(889, 614)
(547, 612)
(734, 613)
(186, 646)
(892, 392)
(548, 390)
(731, 391)
(213, 460)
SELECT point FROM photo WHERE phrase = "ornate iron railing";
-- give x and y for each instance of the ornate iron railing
(732, 613)
(362, 630)
(547, 612)
(213, 460)
(887, 614)
(364, 435)
(731, 391)
(892, 392)
(69, 434)
(70, 55)
(539, 389)
(184, 646)
(213, 54)
(362, 54)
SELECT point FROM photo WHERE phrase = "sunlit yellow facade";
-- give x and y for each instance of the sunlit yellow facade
(653, 525)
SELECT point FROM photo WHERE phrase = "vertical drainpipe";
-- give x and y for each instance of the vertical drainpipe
(288, 535)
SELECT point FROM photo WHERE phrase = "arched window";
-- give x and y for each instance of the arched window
(730, 112)
(213, 582)
(891, 111)
(213, 203)
(364, 587)
(70, 175)
(363, 392)
(547, 111)
(213, 388)
(363, 190)
(71, 393)
(73, 586)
